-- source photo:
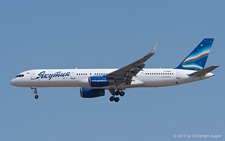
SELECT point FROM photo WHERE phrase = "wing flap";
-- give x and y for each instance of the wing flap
(203, 71)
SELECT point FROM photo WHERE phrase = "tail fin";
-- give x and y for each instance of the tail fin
(197, 58)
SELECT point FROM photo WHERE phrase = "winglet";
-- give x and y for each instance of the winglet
(154, 48)
(152, 52)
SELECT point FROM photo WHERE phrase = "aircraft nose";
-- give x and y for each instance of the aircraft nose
(13, 82)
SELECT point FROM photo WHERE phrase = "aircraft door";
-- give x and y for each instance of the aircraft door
(33, 75)
(141, 74)
(178, 74)
(72, 75)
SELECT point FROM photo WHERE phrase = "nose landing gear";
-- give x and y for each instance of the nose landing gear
(35, 92)
(36, 96)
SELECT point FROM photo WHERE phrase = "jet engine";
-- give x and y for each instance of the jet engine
(91, 93)
(100, 81)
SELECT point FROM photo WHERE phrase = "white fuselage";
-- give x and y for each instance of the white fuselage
(79, 78)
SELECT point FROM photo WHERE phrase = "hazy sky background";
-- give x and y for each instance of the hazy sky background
(109, 34)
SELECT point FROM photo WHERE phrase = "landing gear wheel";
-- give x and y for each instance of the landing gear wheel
(36, 96)
(122, 93)
(116, 99)
(117, 92)
(112, 98)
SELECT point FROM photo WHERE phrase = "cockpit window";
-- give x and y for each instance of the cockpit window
(20, 75)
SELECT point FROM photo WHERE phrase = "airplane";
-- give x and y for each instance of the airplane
(94, 82)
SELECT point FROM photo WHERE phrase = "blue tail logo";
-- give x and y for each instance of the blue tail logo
(197, 58)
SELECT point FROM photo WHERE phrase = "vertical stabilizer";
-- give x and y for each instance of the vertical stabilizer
(197, 58)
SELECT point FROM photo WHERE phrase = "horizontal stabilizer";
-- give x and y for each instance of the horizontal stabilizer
(203, 71)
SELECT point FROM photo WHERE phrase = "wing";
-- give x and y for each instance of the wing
(124, 75)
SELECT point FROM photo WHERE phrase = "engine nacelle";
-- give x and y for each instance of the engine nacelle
(99, 81)
(91, 93)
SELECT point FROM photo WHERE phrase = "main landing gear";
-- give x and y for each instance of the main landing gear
(115, 94)
(35, 92)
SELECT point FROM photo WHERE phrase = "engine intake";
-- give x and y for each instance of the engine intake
(99, 81)
(91, 93)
